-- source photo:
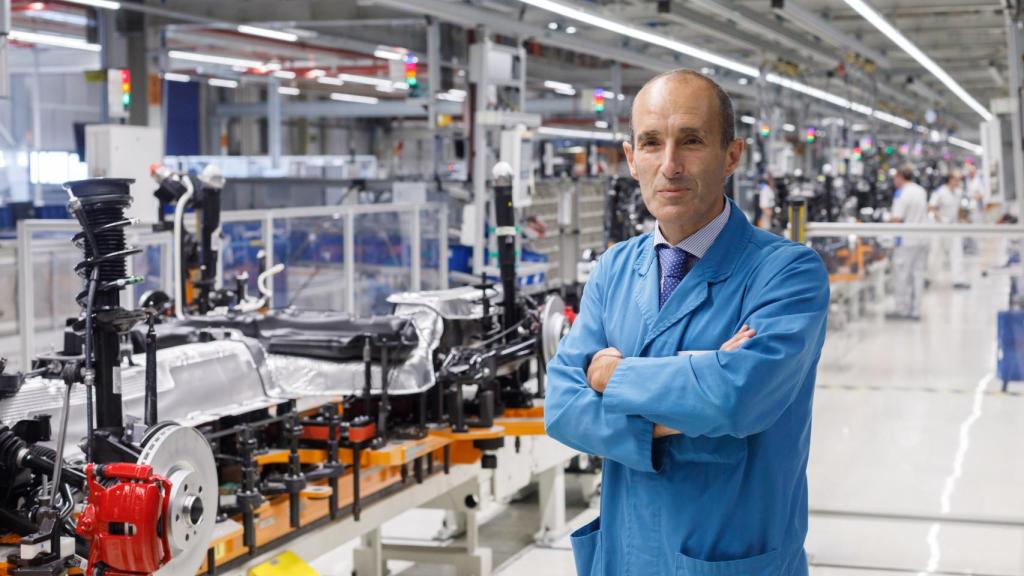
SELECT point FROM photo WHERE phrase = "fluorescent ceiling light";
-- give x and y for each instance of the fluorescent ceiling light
(174, 77)
(222, 83)
(642, 35)
(566, 92)
(388, 54)
(789, 128)
(900, 40)
(600, 124)
(451, 97)
(212, 59)
(286, 74)
(353, 98)
(52, 40)
(97, 3)
(748, 119)
(570, 29)
(268, 33)
(966, 145)
(385, 89)
(557, 85)
(457, 92)
(400, 86)
(329, 80)
(901, 122)
(288, 90)
(581, 134)
(838, 100)
(368, 80)
(315, 73)
(53, 16)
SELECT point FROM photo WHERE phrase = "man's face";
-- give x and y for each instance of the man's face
(677, 154)
(955, 181)
(898, 181)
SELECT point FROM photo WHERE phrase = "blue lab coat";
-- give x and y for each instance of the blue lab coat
(728, 496)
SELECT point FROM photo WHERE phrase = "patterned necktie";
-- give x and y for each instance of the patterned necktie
(673, 269)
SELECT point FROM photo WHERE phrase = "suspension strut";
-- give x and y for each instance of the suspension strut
(99, 205)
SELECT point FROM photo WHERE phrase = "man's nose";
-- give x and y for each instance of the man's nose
(672, 163)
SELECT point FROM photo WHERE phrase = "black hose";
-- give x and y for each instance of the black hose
(16, 522)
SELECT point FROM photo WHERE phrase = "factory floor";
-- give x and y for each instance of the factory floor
(917, 463)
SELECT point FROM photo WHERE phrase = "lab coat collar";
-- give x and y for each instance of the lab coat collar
(715, 266)
(720, 259)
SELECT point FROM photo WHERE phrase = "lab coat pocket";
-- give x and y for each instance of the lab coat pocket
(586, 549)
(764, 565)
(704, 449)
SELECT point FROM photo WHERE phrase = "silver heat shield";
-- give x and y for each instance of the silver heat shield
(299, 376)
(196, 383)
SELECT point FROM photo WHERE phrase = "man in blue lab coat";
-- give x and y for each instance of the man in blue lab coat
(691, 366)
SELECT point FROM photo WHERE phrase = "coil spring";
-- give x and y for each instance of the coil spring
(104, 217)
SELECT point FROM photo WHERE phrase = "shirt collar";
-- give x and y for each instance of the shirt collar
(698, 243)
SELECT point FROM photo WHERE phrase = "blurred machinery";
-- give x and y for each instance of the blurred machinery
(214, 431)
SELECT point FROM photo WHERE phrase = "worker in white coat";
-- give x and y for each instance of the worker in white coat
(910, 256)
(766, 201)
(945, 206)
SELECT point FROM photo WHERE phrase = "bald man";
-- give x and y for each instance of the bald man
(691, 366)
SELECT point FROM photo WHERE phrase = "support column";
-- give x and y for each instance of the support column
(105, 27)
(138, 67)
(433, 87)
(480, 157)
(273, 122)
(368, 559)
(1013, 33)
(551, 484)
(37, 126)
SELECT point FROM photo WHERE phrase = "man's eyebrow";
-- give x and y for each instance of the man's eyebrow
(648, 134)
(691, 131)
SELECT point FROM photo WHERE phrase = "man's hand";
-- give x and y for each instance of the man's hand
(602, 366)
(734, 343)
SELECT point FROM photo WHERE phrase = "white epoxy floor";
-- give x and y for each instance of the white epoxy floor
(917, 459)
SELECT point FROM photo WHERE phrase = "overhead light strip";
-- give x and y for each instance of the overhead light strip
(581, 134)
(175, 77)
(268, 33)
(52, 40)
(222, 83)
(213, 59)
(341, 96)
(642, 35)
(966, 145)
(367, 80)
(883, 26)
(108, 4)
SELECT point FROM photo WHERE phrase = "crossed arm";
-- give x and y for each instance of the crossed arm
(604, 363)
(596, 403)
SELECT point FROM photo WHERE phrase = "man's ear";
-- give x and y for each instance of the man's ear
(733, 155)
(627, 147)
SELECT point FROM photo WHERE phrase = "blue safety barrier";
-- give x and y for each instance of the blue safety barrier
(1010, 336)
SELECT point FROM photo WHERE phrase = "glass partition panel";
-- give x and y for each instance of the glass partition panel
(383, 259)
(313, 252)
(240, 246)
(430, 249)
